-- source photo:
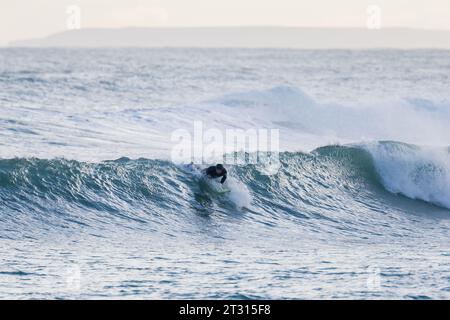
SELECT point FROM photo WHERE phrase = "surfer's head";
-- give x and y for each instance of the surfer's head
(220, 169)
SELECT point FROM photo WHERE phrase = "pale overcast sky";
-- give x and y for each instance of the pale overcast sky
(21, 19)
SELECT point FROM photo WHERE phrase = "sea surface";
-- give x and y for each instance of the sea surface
(93, 204)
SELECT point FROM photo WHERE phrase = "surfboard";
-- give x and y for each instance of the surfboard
(223, 190)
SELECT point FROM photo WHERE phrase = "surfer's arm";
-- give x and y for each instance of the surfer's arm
(223, 178)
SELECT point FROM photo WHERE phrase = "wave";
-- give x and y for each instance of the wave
(333, 182)
(304, 124)
(292, 109)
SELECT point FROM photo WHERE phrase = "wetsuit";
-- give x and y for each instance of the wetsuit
(211, 172)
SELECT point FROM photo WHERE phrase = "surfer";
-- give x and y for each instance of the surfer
(216, 172)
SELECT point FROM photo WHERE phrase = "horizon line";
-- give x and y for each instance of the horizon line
(234, 26)
(13, 43)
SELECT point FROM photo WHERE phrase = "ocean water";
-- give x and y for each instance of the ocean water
(92, 204)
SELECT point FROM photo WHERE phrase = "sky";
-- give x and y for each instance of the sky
(24, 19)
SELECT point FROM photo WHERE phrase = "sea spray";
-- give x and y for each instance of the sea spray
(416, 172)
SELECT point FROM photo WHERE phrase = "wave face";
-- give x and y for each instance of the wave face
(331, 183)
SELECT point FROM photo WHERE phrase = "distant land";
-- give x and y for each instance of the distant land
(245, 37)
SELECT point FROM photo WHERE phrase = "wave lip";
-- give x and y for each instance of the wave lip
(274, 97)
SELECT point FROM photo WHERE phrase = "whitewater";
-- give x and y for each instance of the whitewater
(93, 205)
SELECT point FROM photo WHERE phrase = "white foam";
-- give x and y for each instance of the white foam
(416, 172)
(239, 195)
(306, 124)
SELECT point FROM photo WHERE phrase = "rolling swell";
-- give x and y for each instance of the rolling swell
(335, 183)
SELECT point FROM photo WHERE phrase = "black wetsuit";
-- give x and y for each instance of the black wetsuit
(211, 172)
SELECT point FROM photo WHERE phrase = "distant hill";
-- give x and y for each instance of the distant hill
(246, 37)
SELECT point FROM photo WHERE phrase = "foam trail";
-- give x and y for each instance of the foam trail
(239, 194)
